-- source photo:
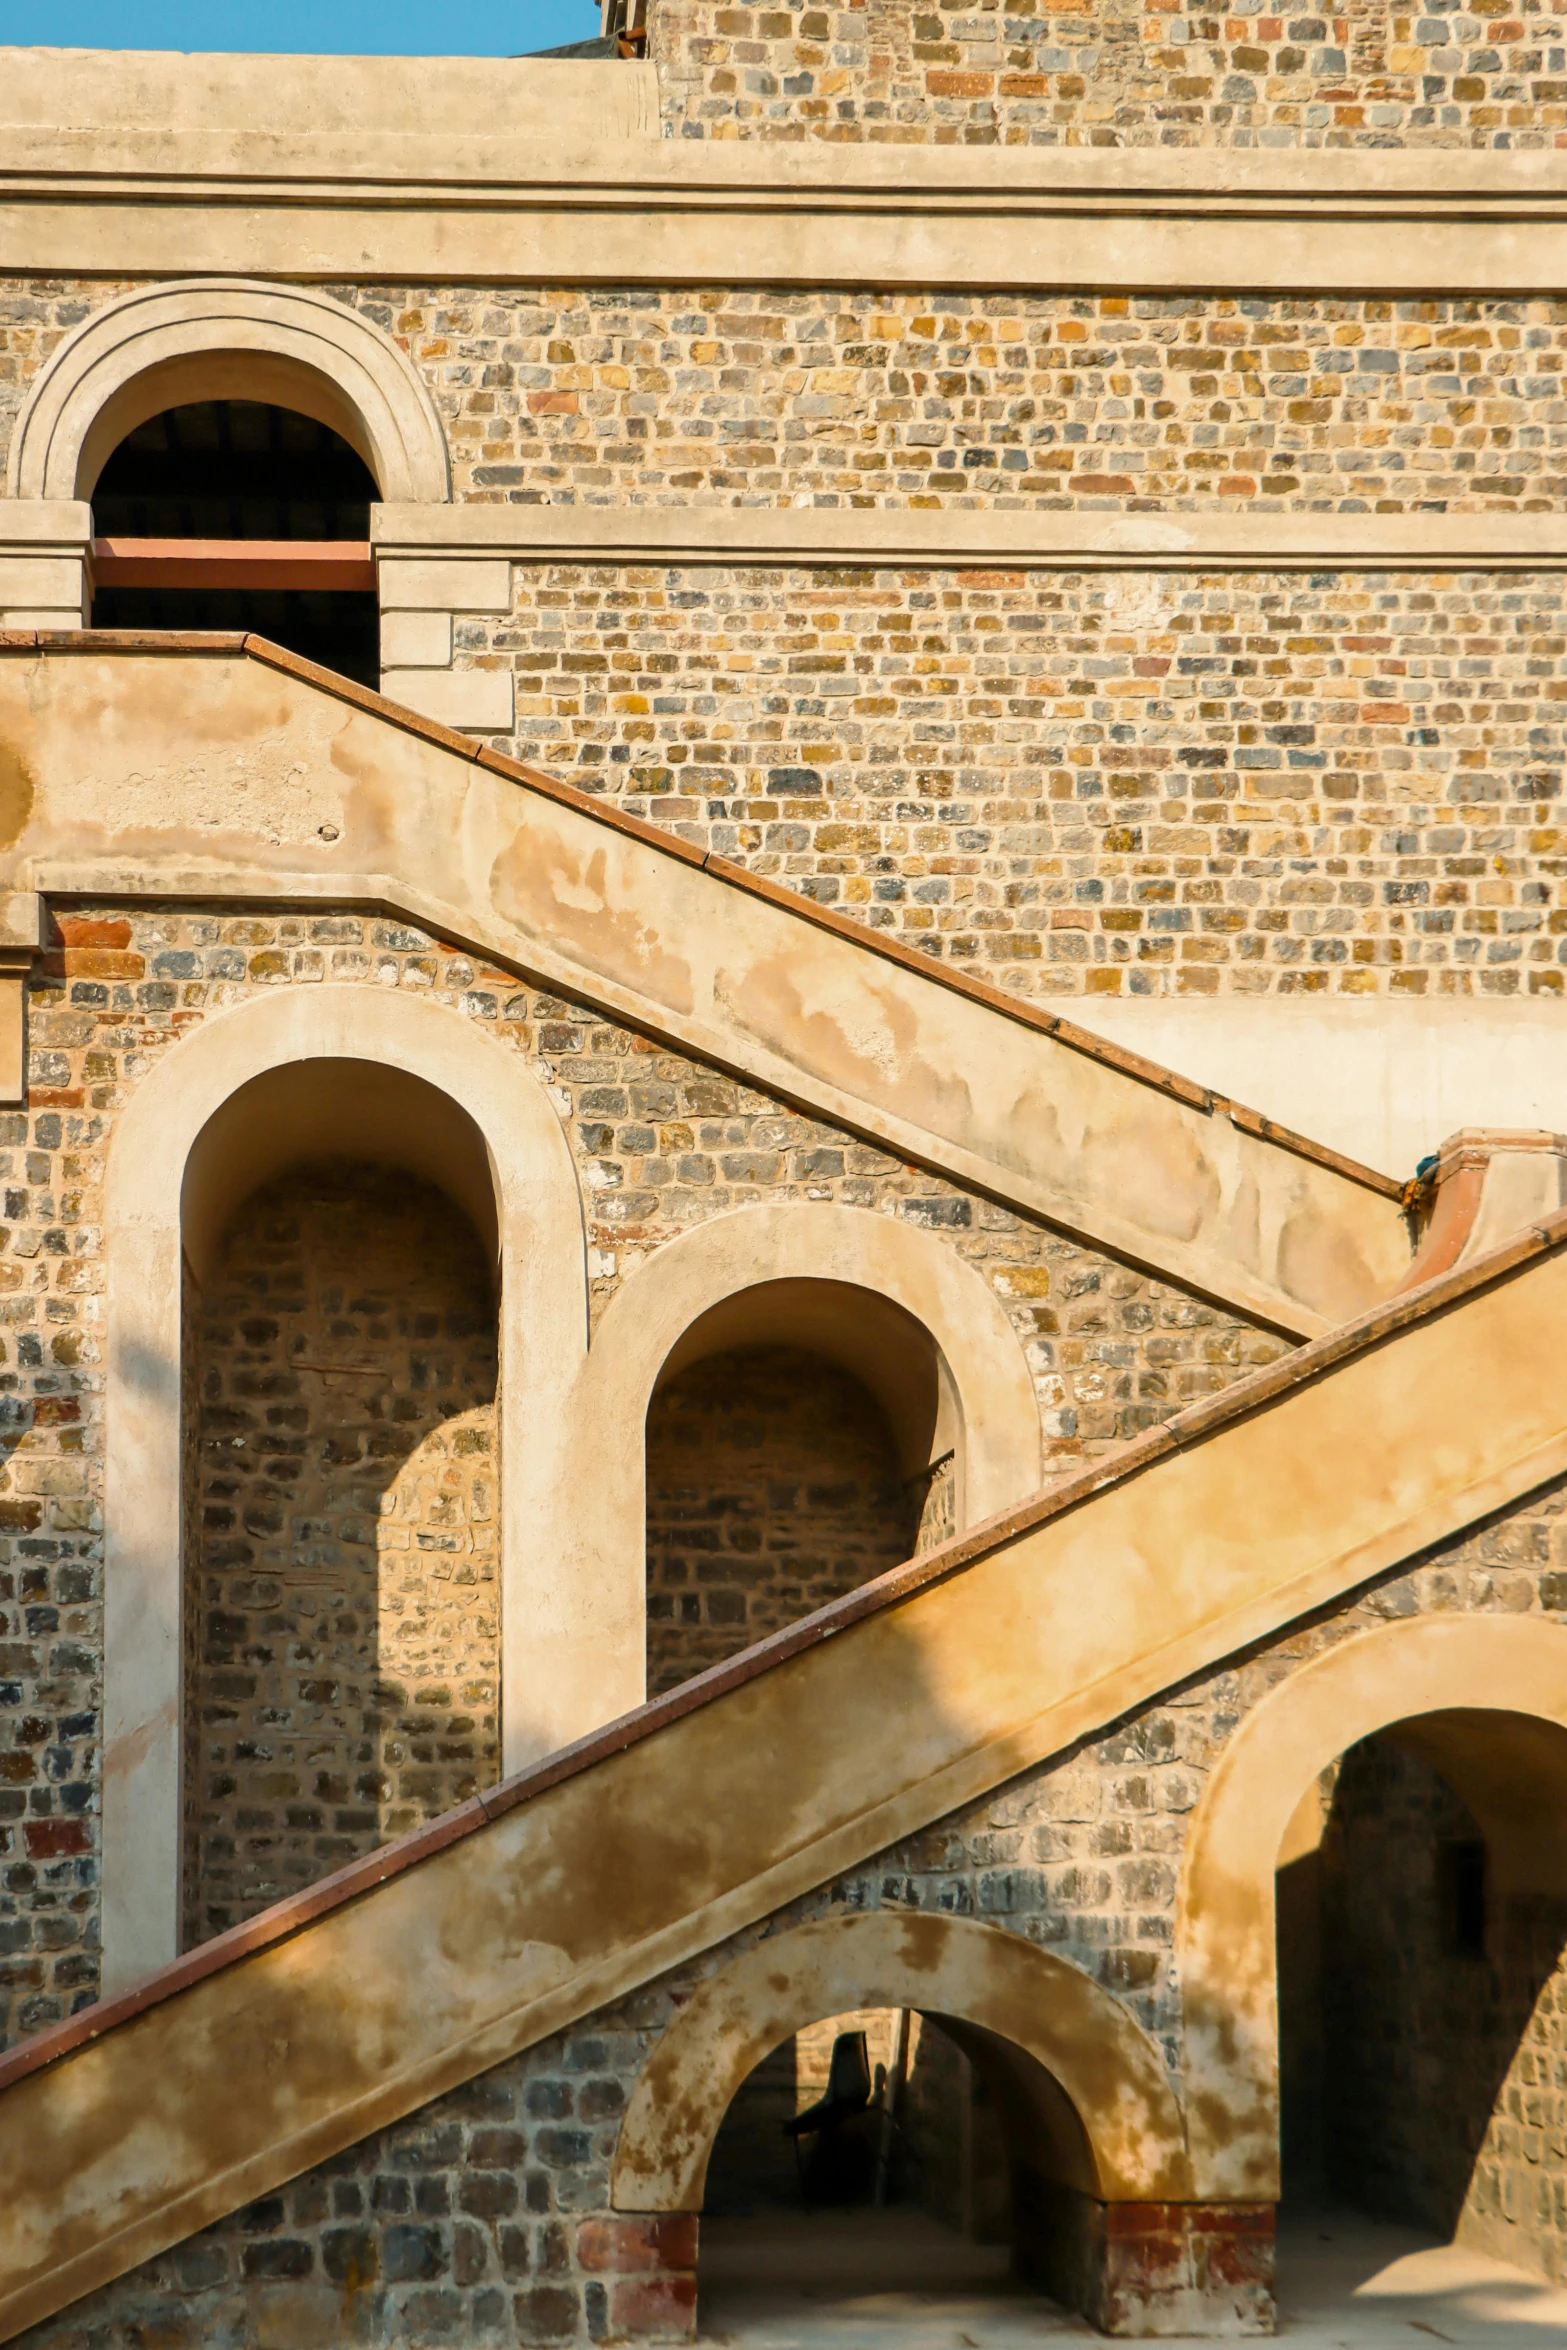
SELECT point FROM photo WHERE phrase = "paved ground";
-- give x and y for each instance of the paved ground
(895, 2280)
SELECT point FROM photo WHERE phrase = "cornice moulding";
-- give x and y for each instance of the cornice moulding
(559, 164)
(499, 210)
(986, 537)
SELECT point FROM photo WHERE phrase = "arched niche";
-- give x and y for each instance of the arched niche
(322, 1108)
(341, 1575)
(223, 338)
(1481, 1699)
(880, 1343)
(496, 1138)
(802, 1438)
(897, 1304)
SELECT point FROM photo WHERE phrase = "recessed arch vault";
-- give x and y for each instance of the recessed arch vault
(767, 1271)
(226, 338)
(537, 1225)
(1089, 2082)
(1444, 1677)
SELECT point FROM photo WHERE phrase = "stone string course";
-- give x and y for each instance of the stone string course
(660, 1144)
(1126, 73)
(484, 2218)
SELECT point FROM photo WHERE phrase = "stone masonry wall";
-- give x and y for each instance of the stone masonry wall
(485, 2217)
(347, 1684)
(1131, 782)
(756, 395)
(660, 1145)
(1091, 784)
(773, 1486)
(1127, 73)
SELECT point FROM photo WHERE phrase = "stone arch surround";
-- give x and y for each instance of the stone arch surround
(987, 1400)
(1512, 1670)
(543, 1331)
(1120, 2139)
(227, 338)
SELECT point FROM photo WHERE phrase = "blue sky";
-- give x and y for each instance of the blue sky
(408, 28)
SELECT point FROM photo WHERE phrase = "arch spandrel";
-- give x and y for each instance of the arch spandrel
(1017, 1998)
(227, 338)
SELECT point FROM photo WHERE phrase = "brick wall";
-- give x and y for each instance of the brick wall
(348, 1603)
(773, 1486)
(485, 2216)
(1126, 73)
(661, 1144)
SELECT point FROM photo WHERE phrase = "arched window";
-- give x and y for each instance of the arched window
(240, 514)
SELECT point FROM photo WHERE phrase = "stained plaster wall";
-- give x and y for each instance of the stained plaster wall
(1135, 73)
(660, 1144)
(487, 2214)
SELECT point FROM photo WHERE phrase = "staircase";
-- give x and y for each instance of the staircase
(540, 1904)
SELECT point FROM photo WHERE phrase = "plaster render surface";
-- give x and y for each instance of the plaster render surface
(970, 538)
(157, 95)
(639, 211)
(1386, 1080)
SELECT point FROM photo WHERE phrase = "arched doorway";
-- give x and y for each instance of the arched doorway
(1073, 2120)
(240, 514)
(1422, 1982)
(1372, 1938)
(342, 1615)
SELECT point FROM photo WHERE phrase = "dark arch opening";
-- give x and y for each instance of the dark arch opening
(1422, 1956)
(949, 2184)
(222, 471)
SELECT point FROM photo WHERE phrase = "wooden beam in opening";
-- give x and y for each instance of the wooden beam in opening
(233, 563)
